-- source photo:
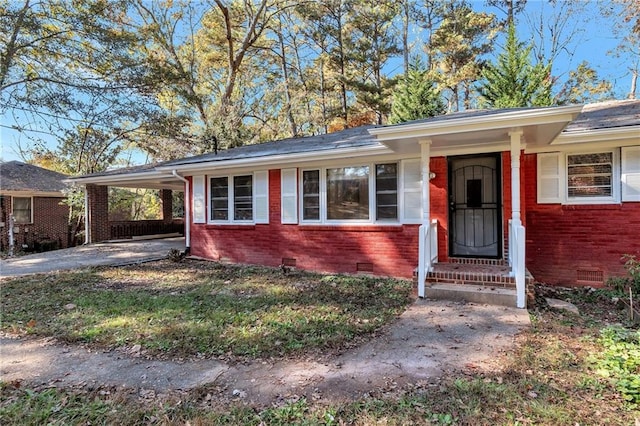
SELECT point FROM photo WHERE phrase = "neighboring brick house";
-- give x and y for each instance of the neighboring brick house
(478, 197)
(33, 195)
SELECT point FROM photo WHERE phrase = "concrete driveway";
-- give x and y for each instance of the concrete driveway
(100, 254)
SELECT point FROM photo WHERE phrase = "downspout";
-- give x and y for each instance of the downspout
(87, 224)
(187, 211)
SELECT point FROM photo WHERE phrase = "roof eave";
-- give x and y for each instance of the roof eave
(115, 177)
(598, 135)
(510, 119)
(280, 159)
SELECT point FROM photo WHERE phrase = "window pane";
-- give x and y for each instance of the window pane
(348, 193)
(590, 175)
(386, 191)
(311, 195)
(22, 209)
(220, 198)
(242, 198)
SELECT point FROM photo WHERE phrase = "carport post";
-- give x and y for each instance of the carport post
(187, 211)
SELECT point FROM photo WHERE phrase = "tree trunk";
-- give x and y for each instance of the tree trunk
(285, 77)
(634, 81)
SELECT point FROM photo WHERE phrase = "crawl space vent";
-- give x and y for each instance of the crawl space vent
(590, 276)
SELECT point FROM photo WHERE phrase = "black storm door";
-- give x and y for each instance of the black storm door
(475, 206)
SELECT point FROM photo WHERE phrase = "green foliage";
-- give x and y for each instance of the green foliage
(584, 86)
(456, 48)
(621, 285)
(416, 96)
(620, 361)
(513, 81)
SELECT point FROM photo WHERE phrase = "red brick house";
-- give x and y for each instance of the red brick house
(33, 196)
(491, 199)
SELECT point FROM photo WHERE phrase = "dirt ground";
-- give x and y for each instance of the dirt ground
(428, 339)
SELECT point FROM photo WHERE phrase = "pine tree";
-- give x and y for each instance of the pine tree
(513, 81)
(416, 97)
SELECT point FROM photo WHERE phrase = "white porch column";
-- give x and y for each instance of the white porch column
(424, 255)
(516, 137)
(425, 155)
(516, 230)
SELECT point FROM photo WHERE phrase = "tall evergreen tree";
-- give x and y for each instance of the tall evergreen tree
(416, 96)
(513, 81)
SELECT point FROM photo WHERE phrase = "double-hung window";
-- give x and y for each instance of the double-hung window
(231, 198)
(590, 176)
(362, 193)
(579, 178)
(21, 209)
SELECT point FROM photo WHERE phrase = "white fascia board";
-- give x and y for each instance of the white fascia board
(53, 194)
(586, 136)
(592, 139)
(512, 119)
(124, 177)
(281, 160)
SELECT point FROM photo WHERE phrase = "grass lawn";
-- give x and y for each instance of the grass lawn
(203, 309)
(566, 369)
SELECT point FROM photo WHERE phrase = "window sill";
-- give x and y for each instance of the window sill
(396, 227)
(601, 206)
(230, 226)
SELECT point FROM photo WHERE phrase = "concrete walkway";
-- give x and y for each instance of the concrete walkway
(428, 339)
(99, 254)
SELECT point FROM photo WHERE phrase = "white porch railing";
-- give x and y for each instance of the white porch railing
(427, 252)
(516, 260)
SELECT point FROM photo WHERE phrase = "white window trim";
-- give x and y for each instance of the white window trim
(616, 183)
(323, 197)
(30, 210)
(230, 203)
(564, 199)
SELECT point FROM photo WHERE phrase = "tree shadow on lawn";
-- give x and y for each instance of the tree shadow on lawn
(211, 309)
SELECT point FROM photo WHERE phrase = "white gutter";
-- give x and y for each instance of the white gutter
(598, 135)
(187, 211)
(119, 177)
(281, 159)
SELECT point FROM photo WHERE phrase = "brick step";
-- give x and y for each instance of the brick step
(490, 275)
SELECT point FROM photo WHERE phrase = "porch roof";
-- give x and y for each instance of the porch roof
(478, 131)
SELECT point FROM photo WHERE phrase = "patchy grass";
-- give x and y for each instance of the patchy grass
(203, 309)
(549, 378)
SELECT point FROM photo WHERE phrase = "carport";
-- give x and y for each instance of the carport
(97, 222)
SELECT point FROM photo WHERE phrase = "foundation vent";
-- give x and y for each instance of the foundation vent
(288, 261)
(590, 277)
(364, 267)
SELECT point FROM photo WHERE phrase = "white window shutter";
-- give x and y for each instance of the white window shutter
(289, 193)
(631, 173)
(261, 197)
(550, 178)
(198, 200)
(411, 191)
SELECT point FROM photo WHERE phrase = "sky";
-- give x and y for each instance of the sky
(594, 40)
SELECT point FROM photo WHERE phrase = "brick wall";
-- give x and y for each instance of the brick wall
(388, 250)
(98, 212)
(166, 196)
(50, 224)
(440, 203)
(563, 240)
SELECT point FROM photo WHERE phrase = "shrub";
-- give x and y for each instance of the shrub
(621, 284)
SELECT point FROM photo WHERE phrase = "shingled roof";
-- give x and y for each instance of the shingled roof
(17, 176)
(606, 115)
